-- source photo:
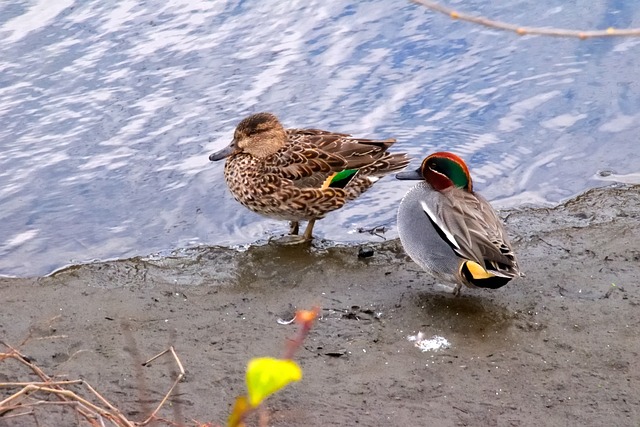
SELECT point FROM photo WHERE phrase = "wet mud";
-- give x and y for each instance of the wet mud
(557, 347)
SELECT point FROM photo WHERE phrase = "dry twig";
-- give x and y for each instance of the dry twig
(177, 380)
(555, 32)
(26, 399)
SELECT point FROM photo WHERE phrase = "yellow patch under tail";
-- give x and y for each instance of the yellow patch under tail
(476, 275)
(477, 271)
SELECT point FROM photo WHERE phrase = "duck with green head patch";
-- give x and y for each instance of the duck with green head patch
(301, 174)
(452, 232)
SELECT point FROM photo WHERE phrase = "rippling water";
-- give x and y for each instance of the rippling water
(108, 111)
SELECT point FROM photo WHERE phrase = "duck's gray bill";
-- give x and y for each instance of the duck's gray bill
(409, 175)
(225, 152)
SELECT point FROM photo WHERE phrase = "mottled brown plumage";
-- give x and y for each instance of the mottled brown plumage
(290, 174)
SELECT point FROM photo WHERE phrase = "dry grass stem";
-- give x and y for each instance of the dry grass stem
(29, 395)
(177, 380)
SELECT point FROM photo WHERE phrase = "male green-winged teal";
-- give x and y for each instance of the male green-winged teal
(450, 231)
(301, 174)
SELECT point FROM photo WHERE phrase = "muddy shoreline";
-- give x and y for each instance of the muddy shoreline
(558, 347)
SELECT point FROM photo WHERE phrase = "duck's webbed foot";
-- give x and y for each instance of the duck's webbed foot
(455, 290)
(289, 239)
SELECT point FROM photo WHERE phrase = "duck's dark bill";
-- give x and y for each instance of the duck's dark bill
(410, 175)
(225, 152)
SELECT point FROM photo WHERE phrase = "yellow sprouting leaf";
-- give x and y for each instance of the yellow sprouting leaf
(240, 408)
(266, 375)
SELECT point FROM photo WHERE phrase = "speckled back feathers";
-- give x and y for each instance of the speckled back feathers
(280, 173)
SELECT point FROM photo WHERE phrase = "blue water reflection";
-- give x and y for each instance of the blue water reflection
(108, 111)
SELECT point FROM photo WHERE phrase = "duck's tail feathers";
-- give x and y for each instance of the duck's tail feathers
(478, 276)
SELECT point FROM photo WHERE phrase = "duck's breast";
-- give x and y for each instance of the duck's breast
(420, 238)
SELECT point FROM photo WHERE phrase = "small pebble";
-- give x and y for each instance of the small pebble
(365, 252)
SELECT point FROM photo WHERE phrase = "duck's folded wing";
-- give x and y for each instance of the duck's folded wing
(358, 152)
(304, 164)
(478, 231)
(311, 156)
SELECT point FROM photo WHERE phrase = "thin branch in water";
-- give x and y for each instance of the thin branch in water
(522, 31)
(377, 231)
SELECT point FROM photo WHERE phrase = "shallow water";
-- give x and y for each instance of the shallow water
(108, 111)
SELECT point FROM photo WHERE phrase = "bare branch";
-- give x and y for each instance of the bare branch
(522, 31)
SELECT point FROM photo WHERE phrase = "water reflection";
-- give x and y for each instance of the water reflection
(108, 111)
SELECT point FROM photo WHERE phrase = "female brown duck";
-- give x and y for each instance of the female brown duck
(301, 174)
